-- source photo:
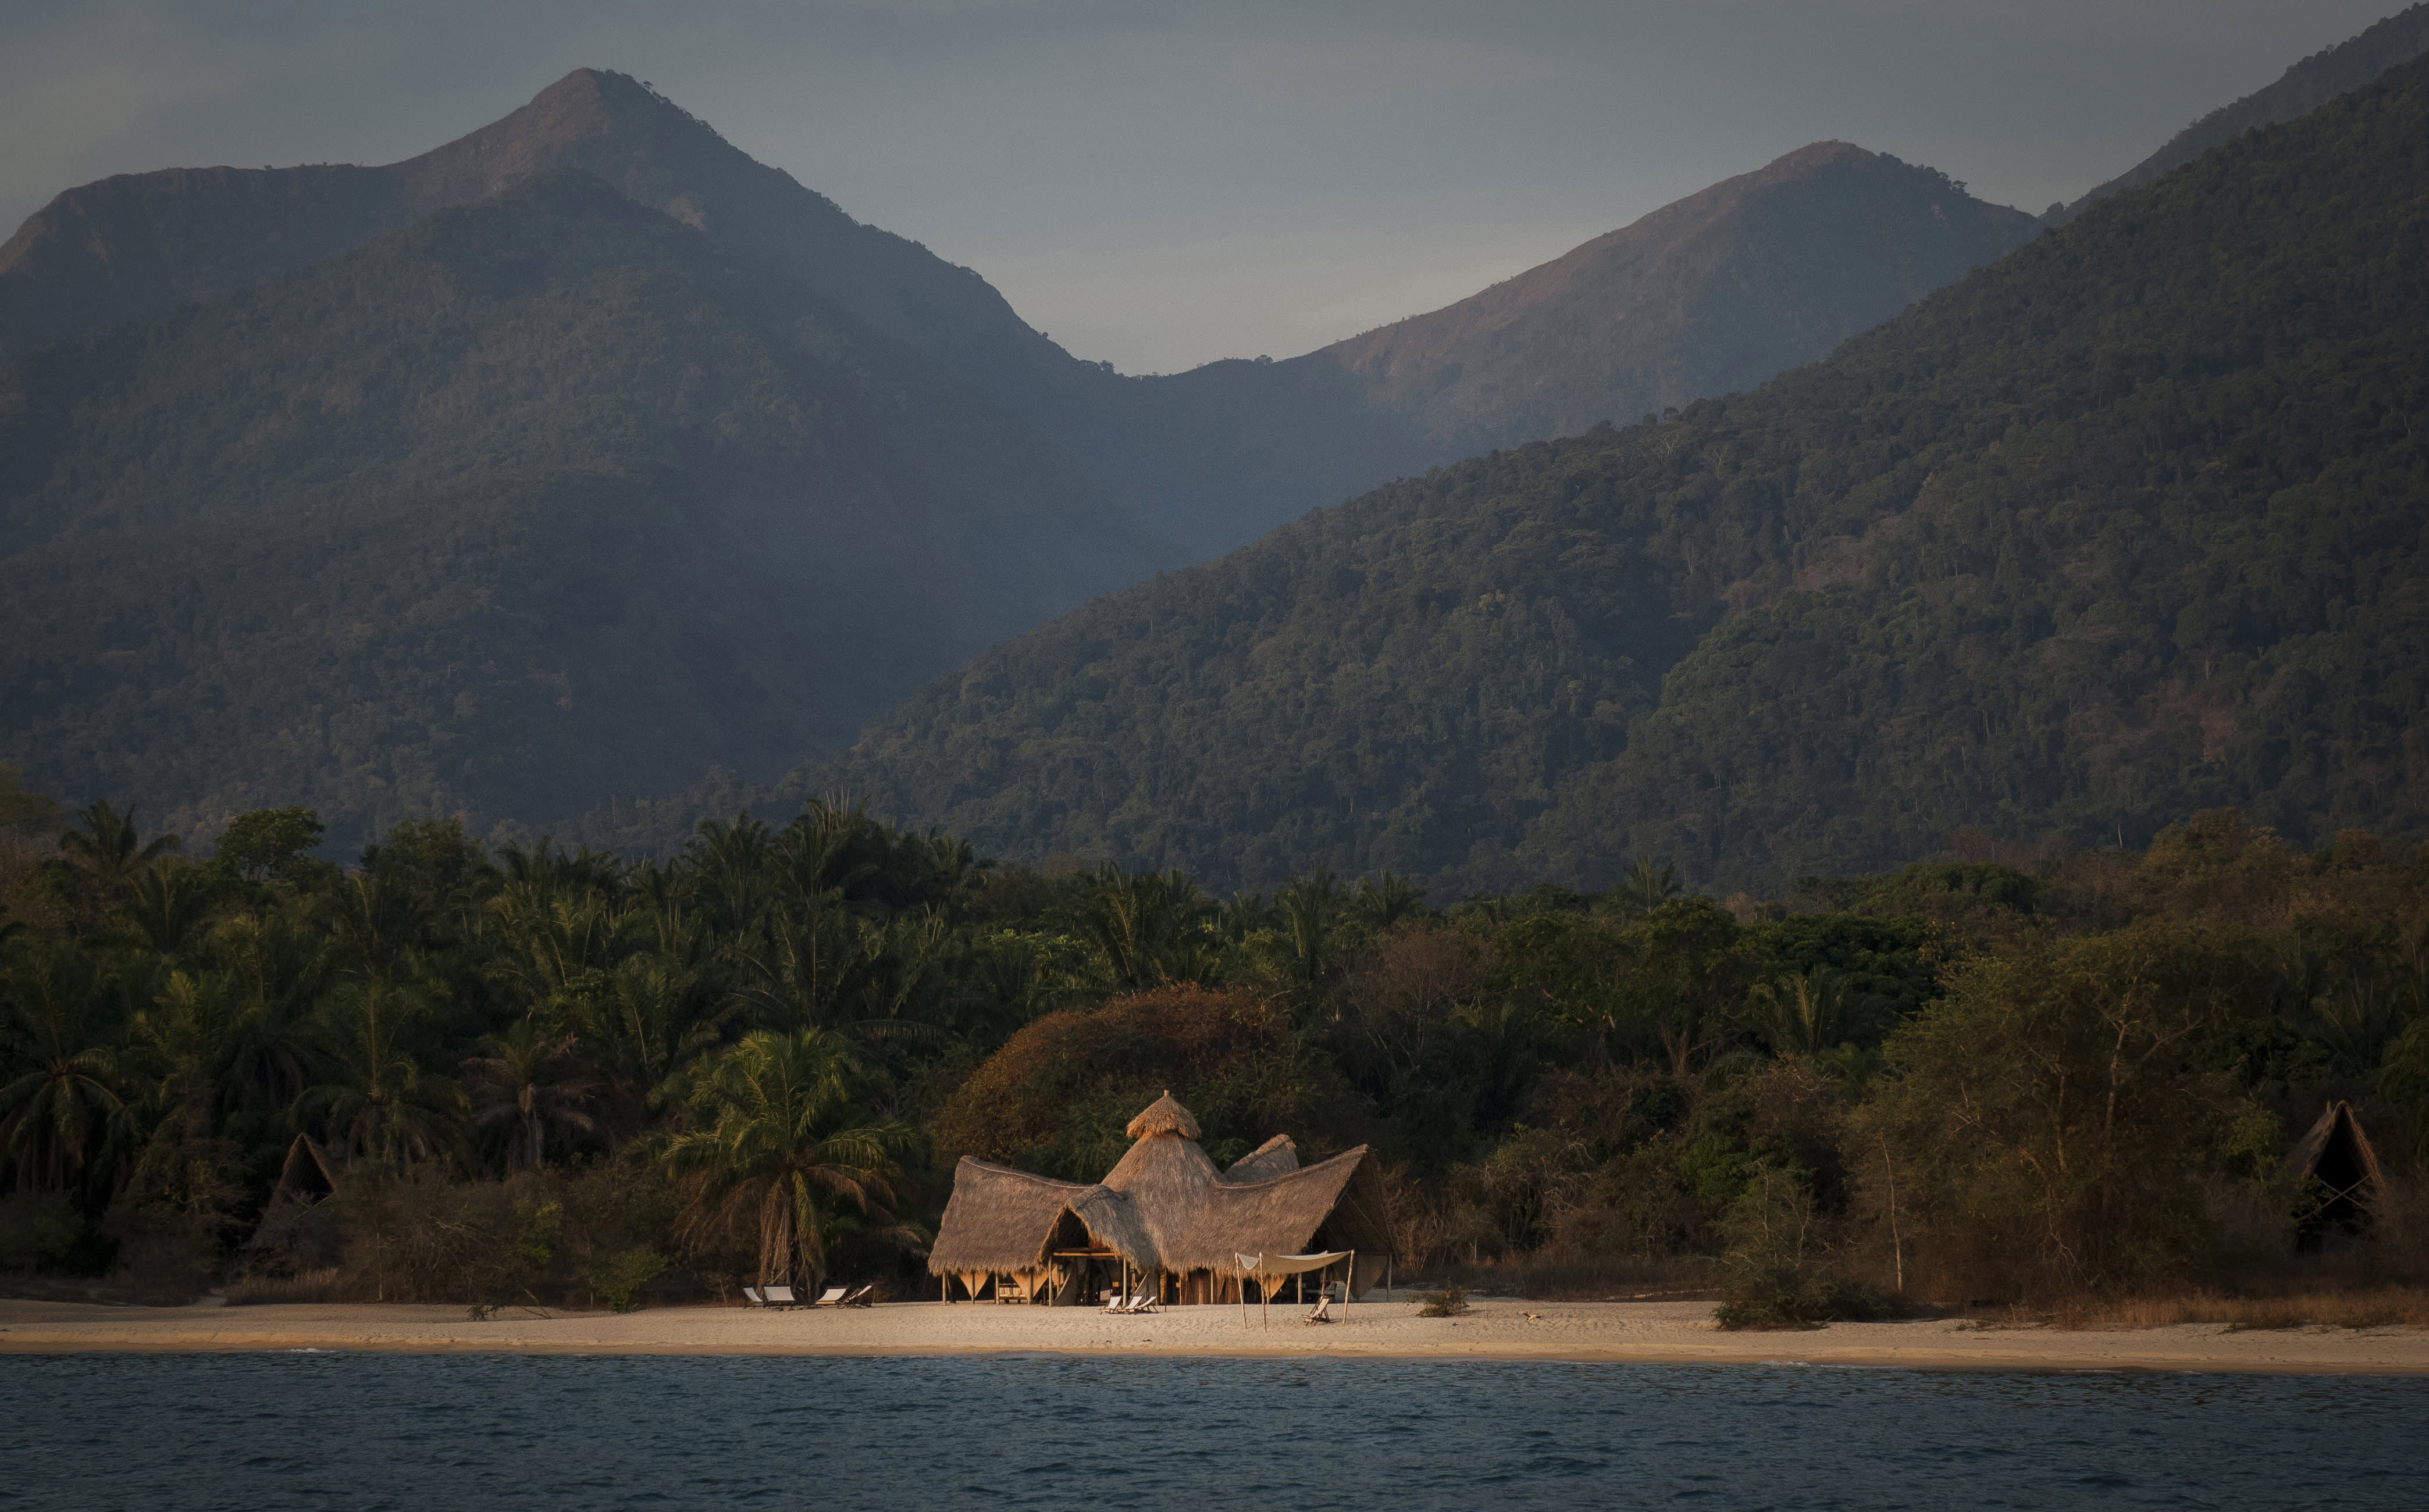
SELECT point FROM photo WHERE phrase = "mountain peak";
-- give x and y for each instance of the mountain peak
(1623, 311)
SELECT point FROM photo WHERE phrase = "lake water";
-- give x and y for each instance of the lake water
(369, 1430)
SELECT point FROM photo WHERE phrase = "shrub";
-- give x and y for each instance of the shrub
(617, 1280)
(1785, 1302)
(37, 1230)
(1442, 1302)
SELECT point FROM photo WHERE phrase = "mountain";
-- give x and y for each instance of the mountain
(535, 498)
(2129, 524)
(1712, 294)
(1715, 294)
(137, 244)
(2301, 89)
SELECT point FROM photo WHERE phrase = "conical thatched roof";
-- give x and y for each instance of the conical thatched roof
(1163, 1116)
(1163, 1206)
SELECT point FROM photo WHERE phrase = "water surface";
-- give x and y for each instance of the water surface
(372, 1431)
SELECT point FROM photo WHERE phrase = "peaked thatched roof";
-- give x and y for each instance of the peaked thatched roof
(1163, 1206)
(2337, 1152)
(1163, 1116)
(1272, 1158)
(309, 1173)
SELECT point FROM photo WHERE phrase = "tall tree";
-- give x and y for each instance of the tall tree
(779, 1145)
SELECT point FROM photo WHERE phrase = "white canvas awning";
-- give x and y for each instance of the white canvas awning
(1289, 1264)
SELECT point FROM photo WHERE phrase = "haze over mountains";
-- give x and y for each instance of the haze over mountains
(716, 481)
(2303, 88)
(2127, 524)
(542, 496)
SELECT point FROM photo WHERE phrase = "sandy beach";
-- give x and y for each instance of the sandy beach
(1669, 1332)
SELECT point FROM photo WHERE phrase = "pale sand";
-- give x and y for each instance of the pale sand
(1679, 1332)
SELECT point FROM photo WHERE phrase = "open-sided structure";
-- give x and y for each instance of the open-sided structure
(1165, 1212)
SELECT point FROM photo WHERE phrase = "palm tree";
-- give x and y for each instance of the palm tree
(1310, 907)
(110, 852)
(164, 906)
(778, 1145)
(377, 924)
(58, 1016)
(1804, 1013)
(1647, 887)
(283, 971)
(1386, 901)
(526, 1082)
(1147, 929)
(379, 1103)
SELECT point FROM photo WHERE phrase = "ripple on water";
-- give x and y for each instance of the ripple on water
(375, 1431)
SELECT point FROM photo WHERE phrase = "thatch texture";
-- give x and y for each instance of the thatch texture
(2337, 1152)
(1167, 1210)
(1272, 1158)
(1164, 1116)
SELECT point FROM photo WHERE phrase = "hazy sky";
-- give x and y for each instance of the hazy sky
(1157, 185)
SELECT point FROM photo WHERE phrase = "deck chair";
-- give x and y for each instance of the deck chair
(859, 1298)
(831, 1297)
(781, 1298)
(751, 1297)
(1322, 1311)
(1144, 1302)
(1118, 1301)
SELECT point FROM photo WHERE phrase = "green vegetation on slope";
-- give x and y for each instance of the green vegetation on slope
(549, 1076)
(535, 500)
(2127, 524)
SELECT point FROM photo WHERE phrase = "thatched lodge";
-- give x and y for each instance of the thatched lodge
(1164, 1214)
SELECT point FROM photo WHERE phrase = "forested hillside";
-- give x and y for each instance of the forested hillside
(2123, 526)
(537, 498)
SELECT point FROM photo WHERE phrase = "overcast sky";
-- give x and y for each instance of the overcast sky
(1157, 185)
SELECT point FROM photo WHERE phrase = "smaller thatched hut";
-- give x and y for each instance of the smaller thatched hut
(1164, 1214)
(2340, 1173)
(294, 1235)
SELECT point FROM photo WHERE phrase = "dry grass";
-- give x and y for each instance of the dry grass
(332, 1285)
(1554, 1275)
(2362, 1308)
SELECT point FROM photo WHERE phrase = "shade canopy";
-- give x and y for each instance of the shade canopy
(1288, 1264)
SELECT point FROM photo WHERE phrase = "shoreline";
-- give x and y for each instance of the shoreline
(1500, 1329)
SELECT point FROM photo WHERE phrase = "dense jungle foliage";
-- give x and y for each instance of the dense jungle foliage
(543, 1075)
(2126, 525)
(535, 500)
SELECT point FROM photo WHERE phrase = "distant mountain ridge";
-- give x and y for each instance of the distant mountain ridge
(1727, 287)
(1709, 295)
(536, 498)
(2301, 89)
(805, 577)
(132, 246)
(2129, 524)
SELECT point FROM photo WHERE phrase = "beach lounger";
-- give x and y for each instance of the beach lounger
(781, 1298)
(831, 1297)
(859, 1298)
(751, 1297)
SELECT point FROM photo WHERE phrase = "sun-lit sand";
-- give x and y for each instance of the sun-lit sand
(1498, 1329)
